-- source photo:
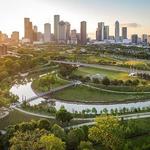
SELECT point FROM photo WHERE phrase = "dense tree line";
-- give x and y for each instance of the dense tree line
(108, 134)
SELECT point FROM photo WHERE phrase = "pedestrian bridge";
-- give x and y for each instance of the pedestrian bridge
(53, 91)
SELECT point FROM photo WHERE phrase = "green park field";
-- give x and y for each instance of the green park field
(86, 94)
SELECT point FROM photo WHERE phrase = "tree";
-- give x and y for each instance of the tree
(63, 115)
(50, 142)
(44, 124)
(29, 140)
(96, 80)
(135, 82)
(107, 131)
(74, 137)
(85, 145)
(58, 132)
(94, 111)
(106, 81)
(66, 70)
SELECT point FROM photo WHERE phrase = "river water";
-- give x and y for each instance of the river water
(24, 91)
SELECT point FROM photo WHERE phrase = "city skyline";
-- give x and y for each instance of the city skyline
(42, 12)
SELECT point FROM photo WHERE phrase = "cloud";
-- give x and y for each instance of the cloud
(131, 25)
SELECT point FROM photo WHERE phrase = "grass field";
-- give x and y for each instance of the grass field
(43, 88)
(15, 117)
(86, 94)
(84, 71)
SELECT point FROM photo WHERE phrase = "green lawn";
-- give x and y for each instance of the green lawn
(15, 117)
(86, 94)
(41, 88)
(84, 71)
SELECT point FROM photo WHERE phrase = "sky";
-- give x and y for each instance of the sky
(135, 14)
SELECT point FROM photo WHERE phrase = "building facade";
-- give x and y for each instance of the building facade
(106, 32)
(56, 27)
(47, 32)
(124, 33)
(83, 33)
(117, 31)
(134, 39)
(28, 30)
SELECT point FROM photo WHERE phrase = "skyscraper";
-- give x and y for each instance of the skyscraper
(62, 32)
(83, 33)
(56, 27)
(28, 31)
(117, 31)
(47, 32)
(68, 26)
(73, 37)
(35, 31)
(124, 33)
(106, 32)
(100, 32)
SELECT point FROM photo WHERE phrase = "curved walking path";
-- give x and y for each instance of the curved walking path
(106, 67)
(125, 117)
(117, 92)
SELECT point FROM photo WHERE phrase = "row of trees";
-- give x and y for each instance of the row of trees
(106, 81)
(62, 112)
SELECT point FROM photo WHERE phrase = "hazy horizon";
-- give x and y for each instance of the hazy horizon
(134, 14)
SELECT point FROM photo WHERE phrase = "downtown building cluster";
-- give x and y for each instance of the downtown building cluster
(121, 35)
(62, 33)
(65, 35)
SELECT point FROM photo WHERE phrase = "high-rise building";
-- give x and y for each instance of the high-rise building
(124, 33)
(83, 33)
(68, 26)
(100, 32)
(148, 39)
(47, 32)
(15, 37)
(62, 32)
(35, 31)
(56, 27)
(144, 38)
(73, 37)
(106, 32)
(28, 31)
(117, 31)
(134, 38)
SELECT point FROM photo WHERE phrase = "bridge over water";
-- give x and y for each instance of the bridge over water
(52, 91)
